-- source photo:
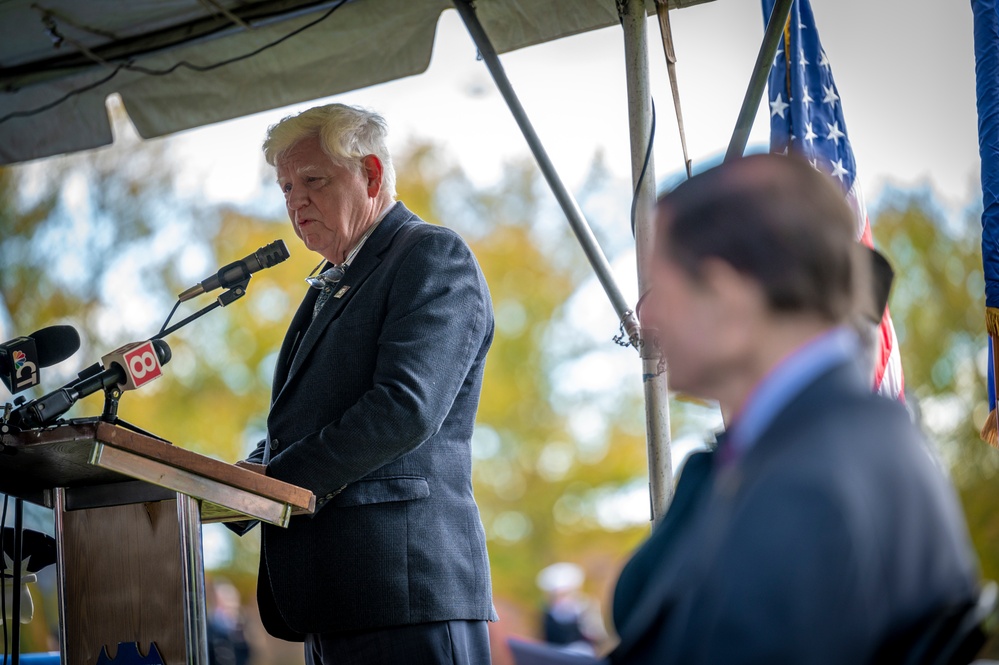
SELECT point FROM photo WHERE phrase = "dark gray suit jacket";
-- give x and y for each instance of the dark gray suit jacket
(835, 540)
(372, 410)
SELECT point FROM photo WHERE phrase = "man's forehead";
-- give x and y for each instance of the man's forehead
(304, 152)
(303, 164)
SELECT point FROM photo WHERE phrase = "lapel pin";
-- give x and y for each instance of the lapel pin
(343, 290)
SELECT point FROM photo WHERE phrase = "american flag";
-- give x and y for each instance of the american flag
(806, 117)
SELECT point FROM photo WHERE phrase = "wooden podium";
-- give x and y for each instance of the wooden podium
(128, 515)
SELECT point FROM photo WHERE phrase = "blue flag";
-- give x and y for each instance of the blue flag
(987, 77)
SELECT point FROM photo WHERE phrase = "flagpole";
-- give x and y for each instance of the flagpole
(657, 424)
(758, 81)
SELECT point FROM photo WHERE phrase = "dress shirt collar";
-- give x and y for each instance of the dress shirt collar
(788, 378)
(367, 234)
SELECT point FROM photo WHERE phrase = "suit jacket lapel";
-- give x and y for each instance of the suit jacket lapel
(364, 263)
(292, 339)
(845, 378)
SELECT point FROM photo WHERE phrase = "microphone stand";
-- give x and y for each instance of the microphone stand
(113, 393)
(227, 298)
(15, 621)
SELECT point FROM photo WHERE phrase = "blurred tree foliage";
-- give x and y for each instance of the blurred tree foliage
(938, 308)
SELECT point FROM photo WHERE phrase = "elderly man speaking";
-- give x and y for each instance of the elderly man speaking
(374, 398)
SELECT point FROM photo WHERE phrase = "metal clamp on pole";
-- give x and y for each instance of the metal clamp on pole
(565, 199)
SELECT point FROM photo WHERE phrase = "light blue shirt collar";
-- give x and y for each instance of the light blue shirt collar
(786, 380)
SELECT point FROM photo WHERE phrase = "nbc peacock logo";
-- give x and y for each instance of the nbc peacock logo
(19, 360)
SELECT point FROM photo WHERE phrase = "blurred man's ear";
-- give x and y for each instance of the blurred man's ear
(881, 277)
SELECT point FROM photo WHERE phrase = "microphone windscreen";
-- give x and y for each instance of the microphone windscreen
(55, 344)
(163, 351)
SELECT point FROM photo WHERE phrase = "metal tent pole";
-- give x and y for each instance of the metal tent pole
(566, 200)
(758, 81)
(657, 426)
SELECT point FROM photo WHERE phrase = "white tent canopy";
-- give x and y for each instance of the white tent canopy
(88, 49)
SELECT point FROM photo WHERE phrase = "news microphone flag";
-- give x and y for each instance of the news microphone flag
(127, 368)
(986, 31)
(19, 362)
(22, 358)
(806, 117)
(139, 361)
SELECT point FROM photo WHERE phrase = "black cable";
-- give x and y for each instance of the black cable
(53, 104)
(645, 167)
(207, 68)
(164, 72)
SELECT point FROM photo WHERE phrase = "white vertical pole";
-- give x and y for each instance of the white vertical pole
(657, 427)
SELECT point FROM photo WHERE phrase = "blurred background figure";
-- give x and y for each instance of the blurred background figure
(227, 643)
(571, 620)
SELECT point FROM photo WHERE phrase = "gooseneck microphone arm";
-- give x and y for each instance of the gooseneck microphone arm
(237, 272)
(235, 277)
(226, 298)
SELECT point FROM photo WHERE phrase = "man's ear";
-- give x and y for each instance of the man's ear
(372, 167)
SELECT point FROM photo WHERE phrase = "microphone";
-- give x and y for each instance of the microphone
(141, 362)
(239, 271)
(130, 367)
(22, 357)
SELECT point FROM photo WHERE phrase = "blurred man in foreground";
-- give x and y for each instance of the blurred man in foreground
(819, 531)
(374, 398)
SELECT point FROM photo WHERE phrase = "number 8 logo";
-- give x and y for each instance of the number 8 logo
(140, 365)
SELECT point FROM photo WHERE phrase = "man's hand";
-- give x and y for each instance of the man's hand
(252, 466)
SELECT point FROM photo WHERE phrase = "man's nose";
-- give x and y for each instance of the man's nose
(297, 198)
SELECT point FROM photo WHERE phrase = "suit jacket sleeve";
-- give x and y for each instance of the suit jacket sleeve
(438, 316)
(257, 456)
(243, 527)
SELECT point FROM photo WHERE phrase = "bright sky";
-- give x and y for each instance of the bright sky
(905, 71)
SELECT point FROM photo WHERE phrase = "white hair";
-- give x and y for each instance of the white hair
(347, 134)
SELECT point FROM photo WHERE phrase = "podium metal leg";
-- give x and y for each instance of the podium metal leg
(59, 505)
(193, 573)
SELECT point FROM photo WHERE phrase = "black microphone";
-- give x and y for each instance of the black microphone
(132, 366)
(239, 271)
(22, 357)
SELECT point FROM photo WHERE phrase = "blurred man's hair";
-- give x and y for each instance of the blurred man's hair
(778, 221)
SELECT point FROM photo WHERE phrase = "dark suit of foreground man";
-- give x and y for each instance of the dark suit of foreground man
(374, 397)
(820, 531)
